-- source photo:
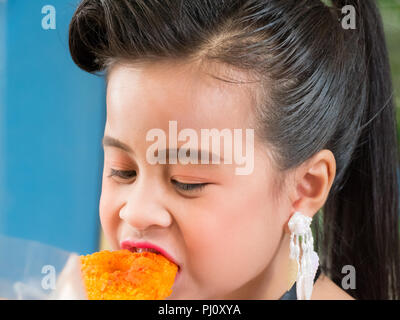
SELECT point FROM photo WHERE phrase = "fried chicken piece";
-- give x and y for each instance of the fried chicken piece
(126, 275)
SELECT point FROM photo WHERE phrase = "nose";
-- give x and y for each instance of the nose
(144, 206)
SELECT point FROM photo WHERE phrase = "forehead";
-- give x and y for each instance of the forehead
(196, 95)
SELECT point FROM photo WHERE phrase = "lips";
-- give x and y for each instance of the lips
(147, 246)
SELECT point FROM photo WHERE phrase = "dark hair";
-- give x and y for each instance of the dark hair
(328, 88)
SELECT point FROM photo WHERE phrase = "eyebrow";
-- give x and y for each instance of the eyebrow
(113, 142)
(200, 153)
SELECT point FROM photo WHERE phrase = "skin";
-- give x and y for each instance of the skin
(230, 238)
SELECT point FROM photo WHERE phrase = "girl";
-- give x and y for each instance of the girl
(319, 99)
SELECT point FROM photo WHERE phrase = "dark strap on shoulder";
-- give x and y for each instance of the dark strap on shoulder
(291, 294)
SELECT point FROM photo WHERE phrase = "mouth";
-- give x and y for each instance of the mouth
(139, 250)
(148, 247)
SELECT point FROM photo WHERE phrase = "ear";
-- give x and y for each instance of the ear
(312, 183)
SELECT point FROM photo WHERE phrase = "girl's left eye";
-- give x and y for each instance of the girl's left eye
(188, 186)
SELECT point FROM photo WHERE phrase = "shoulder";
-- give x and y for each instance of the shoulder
(326, 289)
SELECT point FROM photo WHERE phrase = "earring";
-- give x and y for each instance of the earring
(307, 260)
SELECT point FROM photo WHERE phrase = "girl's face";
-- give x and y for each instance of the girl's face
(221, 228)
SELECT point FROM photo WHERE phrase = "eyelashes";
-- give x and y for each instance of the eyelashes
(125, 176)
(189, 186)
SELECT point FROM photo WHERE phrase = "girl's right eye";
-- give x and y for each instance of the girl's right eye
(124, 175)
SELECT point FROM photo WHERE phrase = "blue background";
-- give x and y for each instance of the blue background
(52, 118)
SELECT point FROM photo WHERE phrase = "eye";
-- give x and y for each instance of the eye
(123, 174)
(188, 186)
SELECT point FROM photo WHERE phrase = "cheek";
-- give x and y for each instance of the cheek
(235, 240)
(109, 207)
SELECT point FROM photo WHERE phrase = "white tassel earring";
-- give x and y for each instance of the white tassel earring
(306, 258)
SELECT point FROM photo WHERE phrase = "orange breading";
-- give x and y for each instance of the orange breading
(125, 275)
